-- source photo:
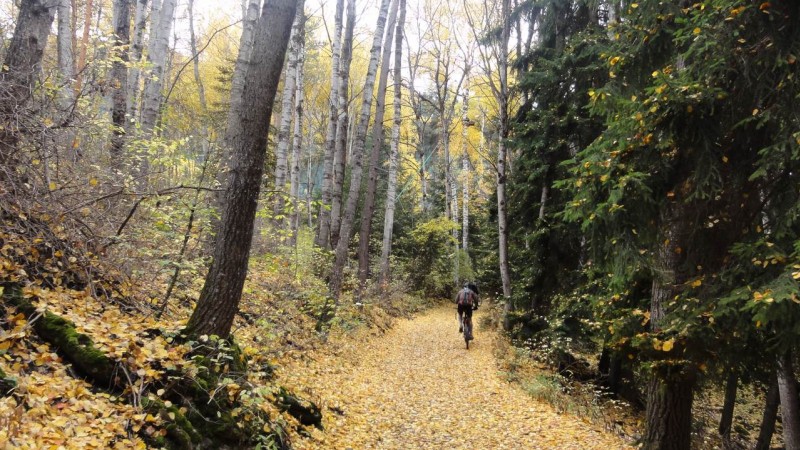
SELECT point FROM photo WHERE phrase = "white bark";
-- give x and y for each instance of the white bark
(65, 58)
(502, 214)
(342, 125)
(137, 47)
(359, 142)
(391, 190)
(157, 52)
(324, 228)
(377, 144)
(297, 141)
(465, 175)
(287, 102)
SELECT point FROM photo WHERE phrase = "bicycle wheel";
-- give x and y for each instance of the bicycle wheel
(467, 331)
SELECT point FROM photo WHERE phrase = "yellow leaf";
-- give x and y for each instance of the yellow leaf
(657, 344)
(697, 283)
(614, 60)
(634, 5)
(697, 30)
(755, 111)
(667, 346)
(655, 74)
(796, 275)
(52, 186)
(93, 181)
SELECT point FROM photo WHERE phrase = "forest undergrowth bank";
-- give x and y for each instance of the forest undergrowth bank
(87, 361)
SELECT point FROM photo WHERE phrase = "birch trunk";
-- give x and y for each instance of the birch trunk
(324, 222)
(65, 57)
(343, 121)
(359, 141)
(137, 47)
(297, 141)
(502, 214)
(157, 53)
(287, 110)
(87, 26)
(391, 190)
(465, 173)
(121, 21)
(377, 145)
(247, 139)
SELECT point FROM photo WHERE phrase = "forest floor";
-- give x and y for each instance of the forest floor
(416, 386)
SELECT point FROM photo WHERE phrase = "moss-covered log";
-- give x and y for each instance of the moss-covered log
(77, 348)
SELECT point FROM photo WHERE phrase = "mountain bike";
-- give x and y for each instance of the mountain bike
(467, 327)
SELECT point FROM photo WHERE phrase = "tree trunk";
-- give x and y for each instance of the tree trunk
(669, 395)
(669, 414)
(790, 403)
(20, 71)
(502, 214)
(771, 403)
(342, 125)
(465, 173)
(726, 419)
(377, 144)
(65, 58)
(359, 141)
(249, 22)
(287, 110)
(324, 221)
(87, 26)
(137, 47)
(157, 53)
(391, 190)
(297, 140)
(121, 22)
(247, 139)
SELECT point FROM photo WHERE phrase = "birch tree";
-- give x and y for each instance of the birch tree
(342, 125)
(297, 139)
(494, 63)
(66, 60)
(157, 52)
(287, 110)
(135, 57)
(391, 191)
(359, 141)
(324, 222)
(377, 144)
(121, 22)
(247, 139)
(465, 175)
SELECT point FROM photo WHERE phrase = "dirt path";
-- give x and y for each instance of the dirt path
(417, 387)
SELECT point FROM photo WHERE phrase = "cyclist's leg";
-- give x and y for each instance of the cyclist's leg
(468, 318)
(460, 318)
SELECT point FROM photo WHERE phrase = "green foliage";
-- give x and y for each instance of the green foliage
(671, 120)
(427, 256)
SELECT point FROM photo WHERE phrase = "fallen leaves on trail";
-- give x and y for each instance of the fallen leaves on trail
(418, 387)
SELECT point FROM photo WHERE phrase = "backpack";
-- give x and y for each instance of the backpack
(465, 297)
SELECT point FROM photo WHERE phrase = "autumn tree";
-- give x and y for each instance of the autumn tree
(247, 137)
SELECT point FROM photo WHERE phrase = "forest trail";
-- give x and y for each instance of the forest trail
(417, 387)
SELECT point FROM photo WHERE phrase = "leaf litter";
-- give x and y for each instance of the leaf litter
(418, 387)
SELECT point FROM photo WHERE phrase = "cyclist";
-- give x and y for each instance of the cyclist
(467, 301)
